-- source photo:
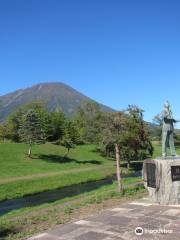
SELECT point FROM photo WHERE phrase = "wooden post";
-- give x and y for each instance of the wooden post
(118, 170)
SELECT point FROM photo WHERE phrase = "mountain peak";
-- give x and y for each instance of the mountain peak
(55, 95)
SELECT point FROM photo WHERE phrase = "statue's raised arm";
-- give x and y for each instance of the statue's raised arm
(177, 120)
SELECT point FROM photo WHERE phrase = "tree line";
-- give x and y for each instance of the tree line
(122, 134)
(34, 124)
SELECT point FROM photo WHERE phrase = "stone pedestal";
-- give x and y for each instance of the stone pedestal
(162, 180)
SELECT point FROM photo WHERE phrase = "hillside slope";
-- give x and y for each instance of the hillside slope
(57, 97)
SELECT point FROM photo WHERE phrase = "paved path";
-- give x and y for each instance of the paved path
(156, 222)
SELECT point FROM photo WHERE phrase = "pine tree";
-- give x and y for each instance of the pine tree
(4, 131)
(58, 121)
(30, 130)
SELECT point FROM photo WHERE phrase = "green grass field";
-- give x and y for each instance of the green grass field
(78, 180)
(46, 158)
(48, 169)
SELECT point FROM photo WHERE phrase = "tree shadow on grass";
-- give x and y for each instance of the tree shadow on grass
(5, 232)
(134, 166)
(58, 159)
(137, 166)
(104, 155)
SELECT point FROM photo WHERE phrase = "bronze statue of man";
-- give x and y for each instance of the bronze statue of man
(168, 130)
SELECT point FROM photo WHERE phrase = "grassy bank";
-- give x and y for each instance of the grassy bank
(48, 169)
(23, 188)
(29, 221)
(76, 182)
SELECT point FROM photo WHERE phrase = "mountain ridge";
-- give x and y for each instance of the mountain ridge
(57, 96)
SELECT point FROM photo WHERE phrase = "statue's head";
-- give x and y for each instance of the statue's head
(167, 105)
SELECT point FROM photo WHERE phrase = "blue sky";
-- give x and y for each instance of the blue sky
(116, 52)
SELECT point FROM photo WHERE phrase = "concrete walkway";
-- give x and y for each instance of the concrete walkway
(152, 222)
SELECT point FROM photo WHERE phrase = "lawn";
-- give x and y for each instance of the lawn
(48, 169)
(46, 158)
(76, 182)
